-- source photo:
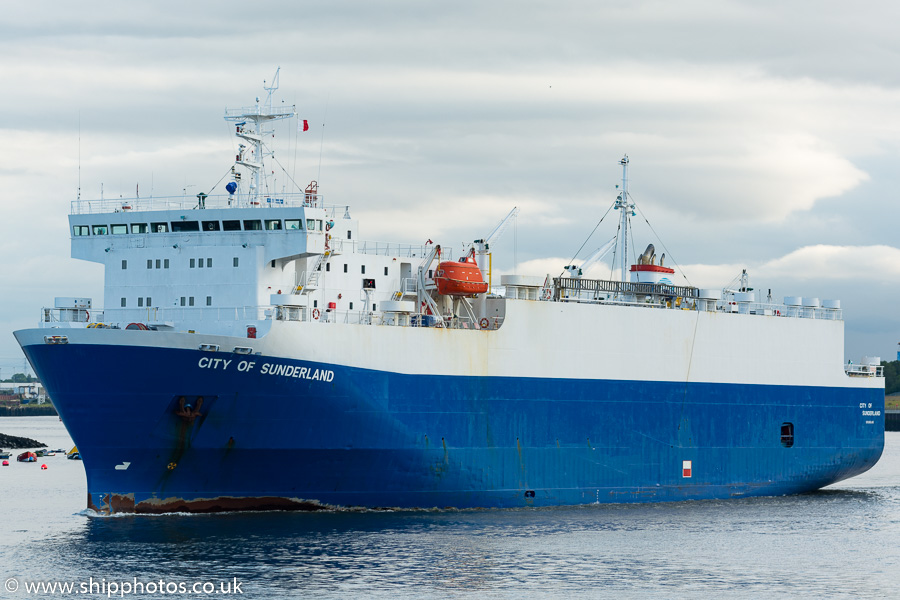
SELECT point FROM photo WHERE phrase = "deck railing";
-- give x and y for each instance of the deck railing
(853, 370)
(186, 202)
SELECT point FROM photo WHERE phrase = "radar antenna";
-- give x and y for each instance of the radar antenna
(251, 126)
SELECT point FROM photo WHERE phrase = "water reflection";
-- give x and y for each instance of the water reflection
(816, 543)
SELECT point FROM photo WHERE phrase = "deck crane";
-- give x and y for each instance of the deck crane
(482, 248)
(576, 272)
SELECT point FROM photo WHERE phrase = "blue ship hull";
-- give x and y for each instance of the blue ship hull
(364, 438)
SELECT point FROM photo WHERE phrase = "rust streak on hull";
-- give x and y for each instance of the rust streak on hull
(125, 503)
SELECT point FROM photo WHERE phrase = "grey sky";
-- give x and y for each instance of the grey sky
(762, 134)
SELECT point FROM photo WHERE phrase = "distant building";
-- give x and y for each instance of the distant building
(28, 392)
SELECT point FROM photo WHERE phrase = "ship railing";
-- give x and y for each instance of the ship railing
(275, 111)
(599, 291)
(852, 370)
(185, 202)
(782, 310)
(563, 286)
(362, 317)
(185, 314)
(291, 313)
(408, 286)
(70, 315)
(390, 249)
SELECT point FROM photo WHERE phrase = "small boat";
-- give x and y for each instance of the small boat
(40, 453)
(27, 457)
(4, 454)
(74, 456)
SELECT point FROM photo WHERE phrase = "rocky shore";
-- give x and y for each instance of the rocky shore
(13, 442)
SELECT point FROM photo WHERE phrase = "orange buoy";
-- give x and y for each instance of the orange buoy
(43, 467)
(459, 278)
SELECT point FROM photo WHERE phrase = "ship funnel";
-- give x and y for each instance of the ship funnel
(647, 256)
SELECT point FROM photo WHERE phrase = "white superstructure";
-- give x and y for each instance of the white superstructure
(237, 264)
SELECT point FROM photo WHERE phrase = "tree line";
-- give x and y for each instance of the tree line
(20, 378)
(891, 376)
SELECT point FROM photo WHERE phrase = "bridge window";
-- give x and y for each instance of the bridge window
(292, 224)
(231, 225)
(149, 263)
(119, 229)
(200, 262)
(345, 267)
(148, 300)
(191, 301)
(385, 271)
(210, 226)
(273, 224)
(101, 230)
(183, 300)
(209, 300)
(124, 264)
(81, 230)
(363, 269)
(349, 234)
(138, 228)
(236, 261)
(140, 302)
(252, 225)
(157, 263)
(209, 263)
(787, 434)
(123, 302)
(165, 265)
(311, 224)
(192, 263)
(159, 227)
(185, 226)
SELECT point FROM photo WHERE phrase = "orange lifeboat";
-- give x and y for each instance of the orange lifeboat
(459, 278)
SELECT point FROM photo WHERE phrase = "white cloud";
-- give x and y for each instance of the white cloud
(852, 263)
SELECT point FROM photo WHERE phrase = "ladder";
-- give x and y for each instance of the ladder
(311, 281)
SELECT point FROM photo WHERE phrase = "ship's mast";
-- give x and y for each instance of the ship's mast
(250, 126)
(624, 204)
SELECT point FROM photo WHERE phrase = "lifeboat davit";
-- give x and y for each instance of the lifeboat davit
(459, 278)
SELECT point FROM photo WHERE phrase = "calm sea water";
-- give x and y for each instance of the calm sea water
(843, 541)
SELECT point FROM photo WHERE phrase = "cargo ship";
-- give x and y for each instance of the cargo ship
(253, 352)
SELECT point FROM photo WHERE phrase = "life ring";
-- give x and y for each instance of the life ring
(327, 226)
(316, 314)
(87, 316)
(484, 323)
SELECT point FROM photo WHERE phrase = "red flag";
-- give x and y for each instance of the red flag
(305, 125)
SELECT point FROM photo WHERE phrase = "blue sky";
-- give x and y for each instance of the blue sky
(762, 135)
